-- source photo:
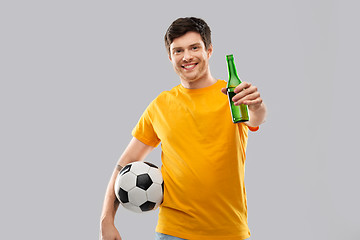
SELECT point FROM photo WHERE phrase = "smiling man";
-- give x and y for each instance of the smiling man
(203, 152)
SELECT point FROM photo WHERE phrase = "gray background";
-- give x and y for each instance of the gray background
(76, 76)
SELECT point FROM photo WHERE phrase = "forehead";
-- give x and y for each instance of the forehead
(188, 39)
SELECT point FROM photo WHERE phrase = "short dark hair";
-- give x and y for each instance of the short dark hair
(188, 24)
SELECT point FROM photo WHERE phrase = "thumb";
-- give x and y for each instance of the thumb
(224, 91)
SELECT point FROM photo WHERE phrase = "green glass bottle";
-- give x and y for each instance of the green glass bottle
(238, 113)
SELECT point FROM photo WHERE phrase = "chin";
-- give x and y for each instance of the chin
(191, 77)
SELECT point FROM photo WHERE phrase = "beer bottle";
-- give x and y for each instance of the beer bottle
(238, 113)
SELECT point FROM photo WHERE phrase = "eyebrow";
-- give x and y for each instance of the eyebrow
(195, 44)
(176, 48)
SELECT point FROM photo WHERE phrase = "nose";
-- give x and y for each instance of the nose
(187, 56)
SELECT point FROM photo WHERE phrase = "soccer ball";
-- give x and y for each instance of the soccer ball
(139, 187)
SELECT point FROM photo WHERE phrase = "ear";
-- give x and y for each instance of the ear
(169, 55)
(210, 50)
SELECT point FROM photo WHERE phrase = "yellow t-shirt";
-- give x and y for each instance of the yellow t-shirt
(203, 158)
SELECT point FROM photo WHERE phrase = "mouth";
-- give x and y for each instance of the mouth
(189, 67)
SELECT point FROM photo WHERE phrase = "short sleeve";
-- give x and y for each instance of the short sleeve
(144, 129)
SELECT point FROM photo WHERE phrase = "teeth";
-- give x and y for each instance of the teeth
(189, 66)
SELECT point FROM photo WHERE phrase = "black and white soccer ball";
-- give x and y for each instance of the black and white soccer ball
(139, 187)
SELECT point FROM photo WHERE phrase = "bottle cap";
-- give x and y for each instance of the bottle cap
(229, 57)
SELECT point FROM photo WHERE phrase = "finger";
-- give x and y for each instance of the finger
(242, 86)
(224, 91)
(244, 93)
(248, 98)
(254, 103)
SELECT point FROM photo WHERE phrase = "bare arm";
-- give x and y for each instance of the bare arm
(135, 151)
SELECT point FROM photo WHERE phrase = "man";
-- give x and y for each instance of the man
(203, 152)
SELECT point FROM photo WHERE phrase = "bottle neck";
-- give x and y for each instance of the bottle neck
(232, 69)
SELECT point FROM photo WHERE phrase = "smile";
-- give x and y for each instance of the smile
(189, 66)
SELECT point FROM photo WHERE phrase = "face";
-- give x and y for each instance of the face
(189, 58)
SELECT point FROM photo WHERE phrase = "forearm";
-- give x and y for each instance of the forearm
(257, 115)
(111, 203)
(135, 151)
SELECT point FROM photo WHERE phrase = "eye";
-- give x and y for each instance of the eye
(195, 48)
(177, 51)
